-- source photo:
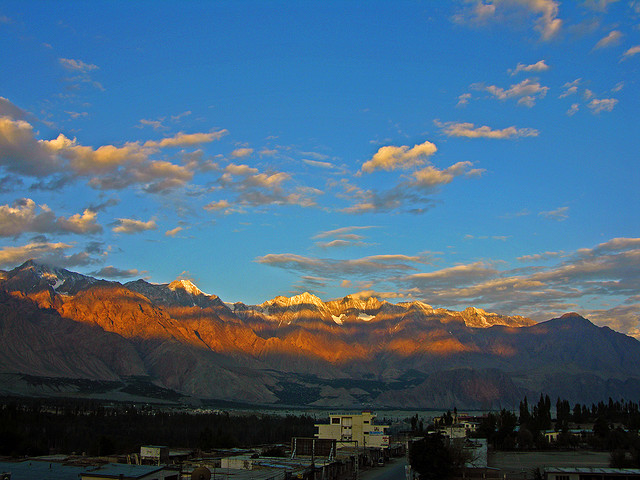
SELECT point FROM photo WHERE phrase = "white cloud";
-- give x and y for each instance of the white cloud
(392, 157)
(610, 40)
(219, 205)
(24, 216)
(49, 253)
(242, 152)
(8, 109)
(469, 130)
(173, 232)
(77, 65)
(182, 139)
(128, 225)
(539, 66)
(511, 12)
(526, 92)
(463, 99)
(560, 214)
(573, 109)
(602, 105)
(631, 52)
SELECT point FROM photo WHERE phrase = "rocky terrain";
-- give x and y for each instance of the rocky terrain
(63, 333)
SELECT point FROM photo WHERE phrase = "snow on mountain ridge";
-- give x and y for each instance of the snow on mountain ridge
(186, 285)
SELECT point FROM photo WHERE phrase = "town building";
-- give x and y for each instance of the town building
(356, 429)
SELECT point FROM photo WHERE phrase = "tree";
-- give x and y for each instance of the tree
(431, 458)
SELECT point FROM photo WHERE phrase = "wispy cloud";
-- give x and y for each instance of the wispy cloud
(342, 237)
(539, 66)
(77, 65)
(612, 39)
(373, 266)
(173, 232)
(559, 214)
(525, 93)
(469, 130)
(598, 105)
(242, 152)
(631, 52)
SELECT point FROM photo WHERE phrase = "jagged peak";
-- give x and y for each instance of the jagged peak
(186, 285)
(305, 298)
(477, 311)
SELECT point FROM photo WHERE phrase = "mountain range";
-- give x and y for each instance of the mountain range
(67, 334)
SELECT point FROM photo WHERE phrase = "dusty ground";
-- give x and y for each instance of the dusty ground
(519, 465)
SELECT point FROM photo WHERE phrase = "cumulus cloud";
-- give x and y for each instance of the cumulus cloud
(539, 66)
(8, 109)
(469, 130)
(511, 12)
(392, 157)
(612, 39)
(128, 225)
(526, 92)
(25, 216)
(107, 167)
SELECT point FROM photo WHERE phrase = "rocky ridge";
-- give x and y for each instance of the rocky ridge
(296, 350)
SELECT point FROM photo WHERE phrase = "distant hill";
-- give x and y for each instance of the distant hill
(63, 333)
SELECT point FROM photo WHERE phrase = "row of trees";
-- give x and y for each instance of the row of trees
(611, 425)
(34, 428)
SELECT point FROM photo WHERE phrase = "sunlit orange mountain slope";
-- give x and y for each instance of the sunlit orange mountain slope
(65, 333)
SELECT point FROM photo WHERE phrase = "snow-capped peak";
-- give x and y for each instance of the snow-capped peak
(307, 298)
(186, 285)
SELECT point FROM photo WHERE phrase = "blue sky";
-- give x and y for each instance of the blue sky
(459, 153)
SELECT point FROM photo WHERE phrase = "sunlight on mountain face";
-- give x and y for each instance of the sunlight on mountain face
(58, 323)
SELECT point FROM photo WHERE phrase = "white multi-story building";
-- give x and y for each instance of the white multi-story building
(353, 428)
